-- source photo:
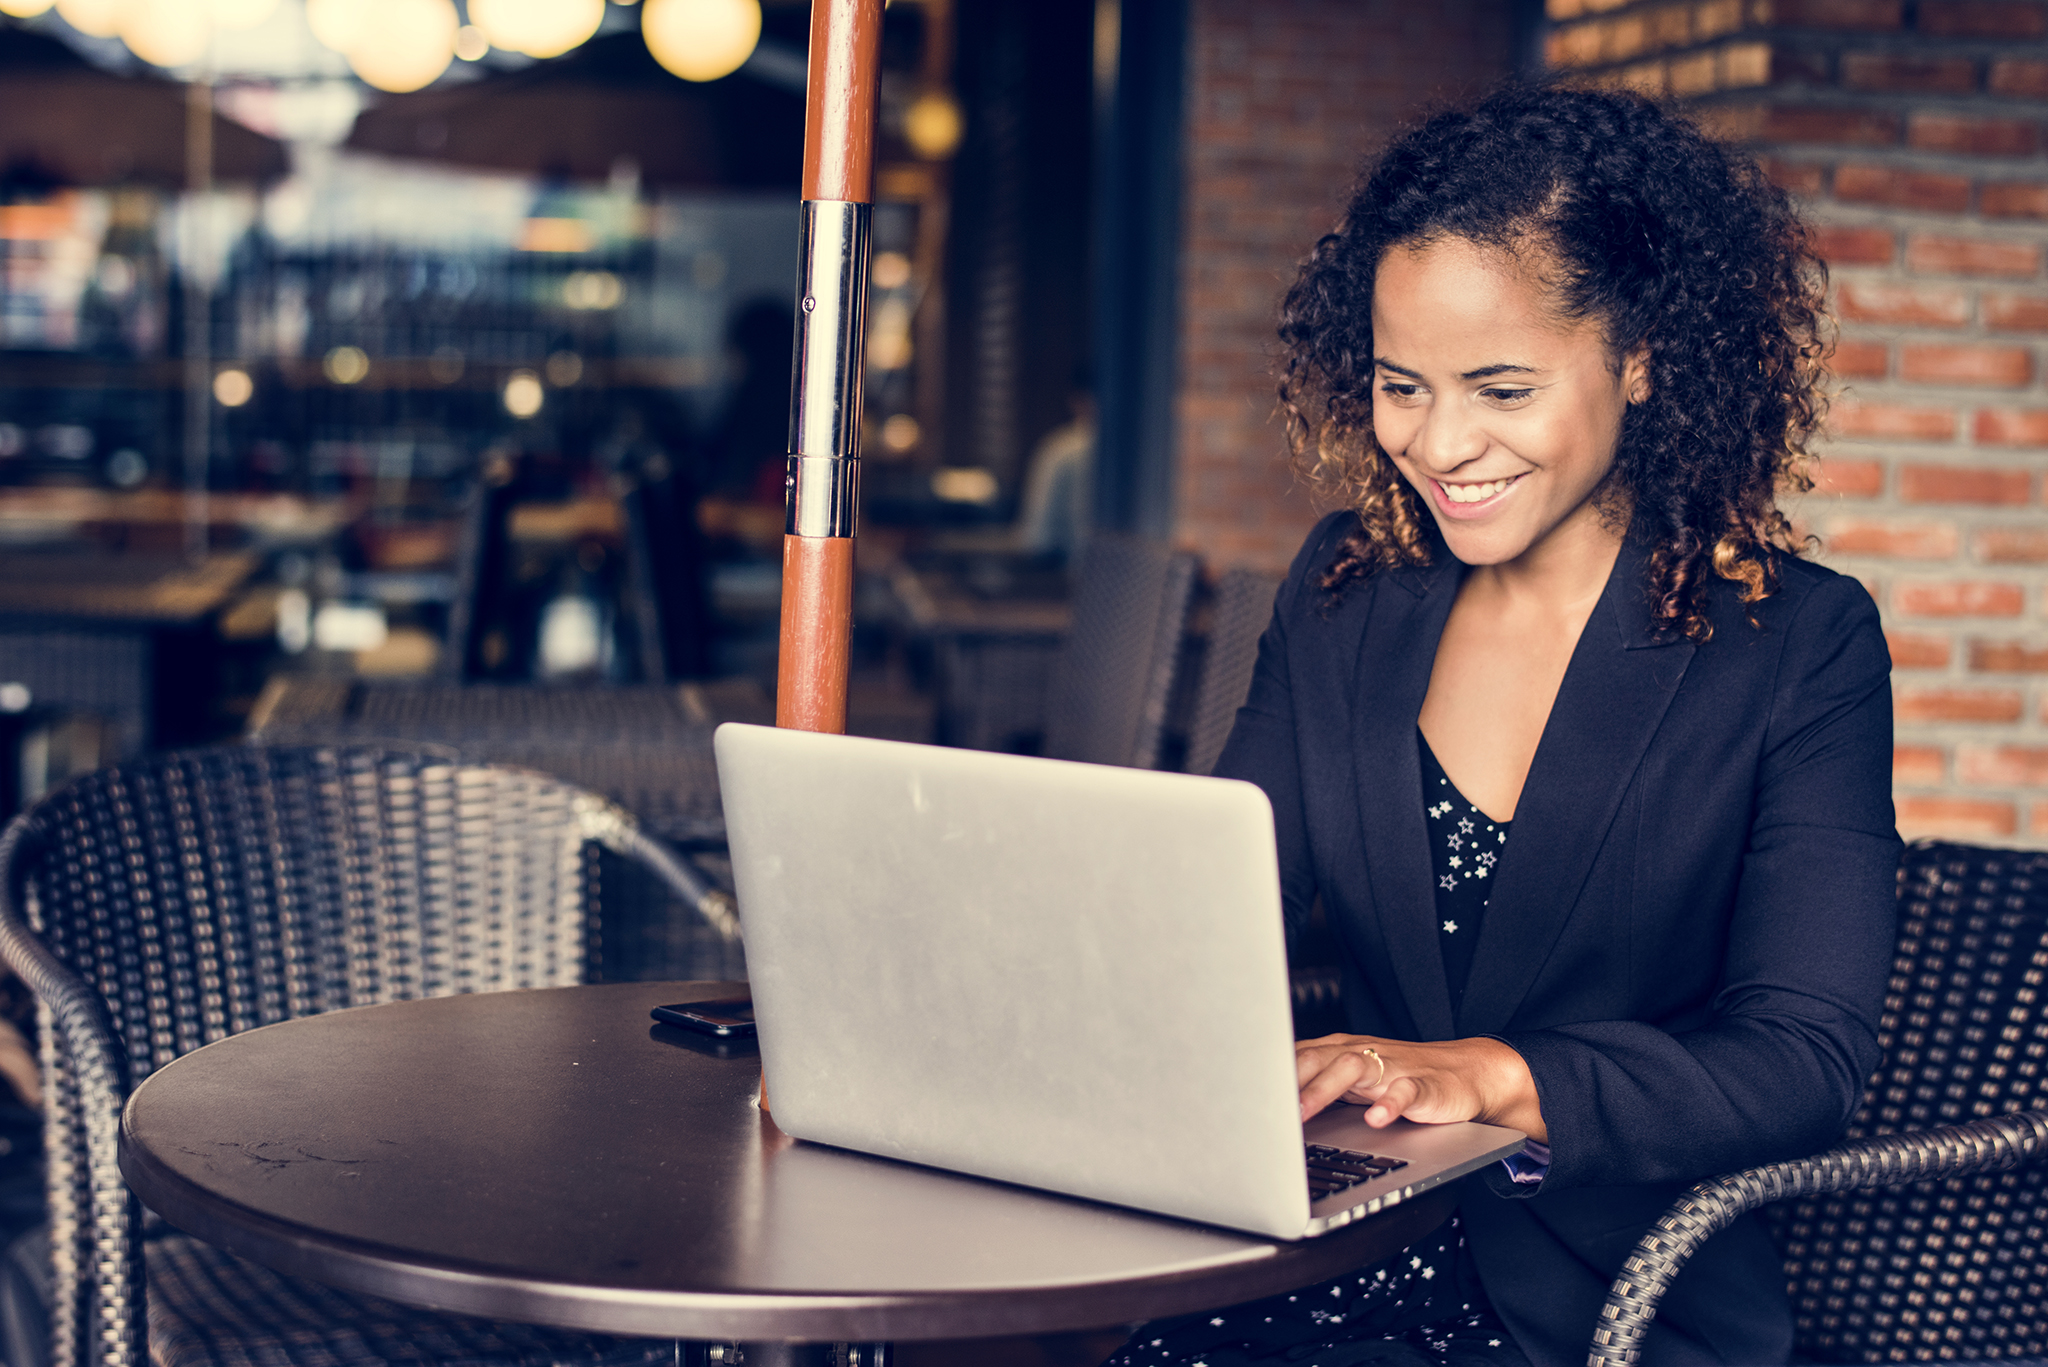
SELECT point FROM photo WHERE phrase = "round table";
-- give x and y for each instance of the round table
(554, 1157)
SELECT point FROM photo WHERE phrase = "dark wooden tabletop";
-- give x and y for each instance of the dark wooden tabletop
(555, 1157)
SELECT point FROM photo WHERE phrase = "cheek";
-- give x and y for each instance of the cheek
(1393, 426)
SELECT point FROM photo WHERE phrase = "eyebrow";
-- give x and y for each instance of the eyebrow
(1485, 372)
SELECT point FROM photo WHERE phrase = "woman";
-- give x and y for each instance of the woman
(1590, 771)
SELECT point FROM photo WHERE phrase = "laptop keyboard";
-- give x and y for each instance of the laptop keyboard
(1333, 1170)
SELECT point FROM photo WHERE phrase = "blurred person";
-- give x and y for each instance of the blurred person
(1560, 651)
(1055, 514)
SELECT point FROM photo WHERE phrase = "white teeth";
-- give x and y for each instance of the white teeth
(1474, 493)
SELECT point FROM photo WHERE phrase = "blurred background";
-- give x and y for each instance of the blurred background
(350, 345)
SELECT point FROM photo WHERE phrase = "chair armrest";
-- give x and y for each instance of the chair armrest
(612, 828)
(1890, 1160)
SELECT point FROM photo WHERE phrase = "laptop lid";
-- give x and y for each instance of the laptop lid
(1064, 975)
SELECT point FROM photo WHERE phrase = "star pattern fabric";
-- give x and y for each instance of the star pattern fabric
(1423, 1307)
(1464, 847)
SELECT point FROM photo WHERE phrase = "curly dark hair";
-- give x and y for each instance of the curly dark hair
(1672, 242)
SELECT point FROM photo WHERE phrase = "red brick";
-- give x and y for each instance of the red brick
(2013, 546)
(1851, 419)
(2016, 76)
(2013, 199)
(1956, 704)
(1848, 478)
(1896, 188)
(1901, 538)
(1794, 179)
(1860, 360)
(1926, 765)
(1792, 66)
(2001, 766)
(1917, 649)
(1961, 818)
(2016, 312)
(1959, 598)
(1849, 127)
(1896, 72)
(2012, 427)
(1878, 301)
(1940, 254)
(1983, 18)
(1934, 132)
(1840, 246)
(2040, 819)
(1874, 16)
(1997, 367)
(1965, 484)
(2008, 657)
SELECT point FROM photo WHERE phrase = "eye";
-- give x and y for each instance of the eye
(1506, 397)
(1399, 389)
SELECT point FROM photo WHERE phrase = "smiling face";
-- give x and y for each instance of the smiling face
(1504, 417)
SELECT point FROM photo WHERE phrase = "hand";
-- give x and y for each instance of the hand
(1462, 1079)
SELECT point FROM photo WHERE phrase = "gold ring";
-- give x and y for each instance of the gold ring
(1374, 1055)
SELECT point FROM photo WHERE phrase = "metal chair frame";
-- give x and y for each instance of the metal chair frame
(155, 906)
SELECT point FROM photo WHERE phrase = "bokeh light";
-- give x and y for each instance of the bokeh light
(93, 18)
(24, 9)
(523, 394)
(701, 40)
(932, 126)
(394, 45)
(239, 14)
(232, 387)
(346, 365)
(538, 28)
(167, 32)
(470, 43)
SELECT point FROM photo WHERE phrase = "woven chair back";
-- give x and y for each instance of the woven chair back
(1113, 680)
(206, 893)
(1238, 614)
(1957, 1268)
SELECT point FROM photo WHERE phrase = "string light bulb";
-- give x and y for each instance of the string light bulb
(701, 40)
(24, 9)
(538, 28)
(167, 33)
(403, 45)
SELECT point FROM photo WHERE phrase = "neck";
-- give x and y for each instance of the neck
(1565, 573)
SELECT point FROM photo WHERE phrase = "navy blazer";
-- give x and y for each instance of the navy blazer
(1690, 928)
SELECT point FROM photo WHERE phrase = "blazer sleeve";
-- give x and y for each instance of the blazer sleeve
(1261, 747)
(1779, 1063)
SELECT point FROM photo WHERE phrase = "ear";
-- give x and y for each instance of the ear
(1635, 374)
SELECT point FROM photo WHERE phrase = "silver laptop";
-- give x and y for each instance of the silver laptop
(1063, 975)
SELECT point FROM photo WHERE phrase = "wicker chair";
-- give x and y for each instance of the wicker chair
(1238, 613)
(1113, 679)
(160, 905)
(1922, 1236)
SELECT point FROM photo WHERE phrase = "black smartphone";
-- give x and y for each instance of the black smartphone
(724, 1019)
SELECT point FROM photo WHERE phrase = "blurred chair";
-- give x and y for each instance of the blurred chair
(159, 905)
(1238, 613)
(1922, 1237)
(1113, 679)
(645, 747)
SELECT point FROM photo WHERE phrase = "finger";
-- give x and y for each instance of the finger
(1339, 1075)
(1311, 1056)
(1394, 1101)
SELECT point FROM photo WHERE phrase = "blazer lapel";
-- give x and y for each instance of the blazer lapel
(1616, 690)
(1395, 654)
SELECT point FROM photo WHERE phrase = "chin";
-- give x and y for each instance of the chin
(1482, 545)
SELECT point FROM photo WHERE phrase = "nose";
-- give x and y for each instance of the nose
(1447, 439)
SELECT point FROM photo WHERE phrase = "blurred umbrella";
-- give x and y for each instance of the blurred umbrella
(578, 117)
(68, 122)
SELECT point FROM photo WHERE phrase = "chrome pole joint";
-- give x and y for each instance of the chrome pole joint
(823, 478)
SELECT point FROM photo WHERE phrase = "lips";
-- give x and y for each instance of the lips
(1472, 498)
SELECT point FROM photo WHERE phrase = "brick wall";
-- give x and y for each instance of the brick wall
(1284, 98)
(1913, 136)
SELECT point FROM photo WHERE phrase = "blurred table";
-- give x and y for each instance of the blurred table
(993, 643)
(553, 1157)
(123, 637)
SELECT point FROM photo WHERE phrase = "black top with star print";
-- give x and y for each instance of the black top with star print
(1464, 846)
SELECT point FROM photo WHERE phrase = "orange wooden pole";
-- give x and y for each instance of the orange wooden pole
(825, 399)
